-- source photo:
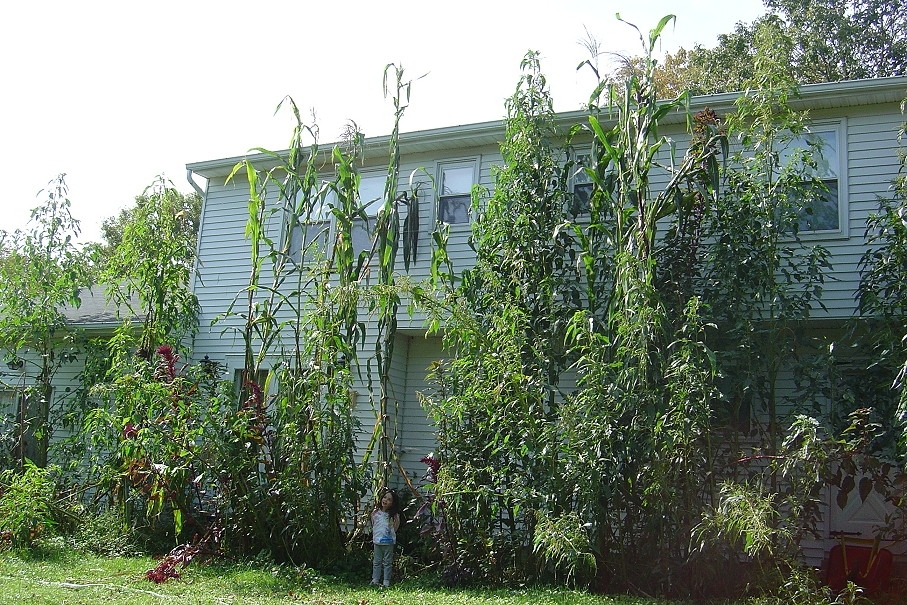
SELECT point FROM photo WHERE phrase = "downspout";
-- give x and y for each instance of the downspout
(193, 279)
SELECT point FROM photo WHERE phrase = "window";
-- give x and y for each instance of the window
(16, 438)
(733, 408)
(455, 198)
(582, 188)
(822, 212)
(309, 237)
(371, 195)
(243, 390)
(312, 233)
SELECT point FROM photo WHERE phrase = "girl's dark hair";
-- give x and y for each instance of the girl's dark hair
(395, 500)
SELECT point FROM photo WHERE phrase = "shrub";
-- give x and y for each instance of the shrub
(26, 505)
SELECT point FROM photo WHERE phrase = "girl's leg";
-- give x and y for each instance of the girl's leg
(388, 564)
(377, 563)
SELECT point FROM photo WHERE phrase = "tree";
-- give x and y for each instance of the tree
(728, 66)
(830, 40)
(114, 227)
(150, 256)
(761, 279)
(509, 338)
(673, 76)
(42, 273)
(845, 39)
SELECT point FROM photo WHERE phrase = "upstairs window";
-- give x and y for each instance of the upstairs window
(455, 199)
(823, 212)
(581, 185)
(371, 196)
(310, 235)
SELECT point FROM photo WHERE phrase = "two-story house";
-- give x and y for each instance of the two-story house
(858, 122)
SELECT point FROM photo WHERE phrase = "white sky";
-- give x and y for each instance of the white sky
(113, 93)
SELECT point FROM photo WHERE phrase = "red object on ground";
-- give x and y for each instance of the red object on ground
(863, 568)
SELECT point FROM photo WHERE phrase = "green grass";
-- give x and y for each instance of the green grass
(75, 578)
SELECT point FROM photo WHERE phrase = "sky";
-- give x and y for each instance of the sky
(114, 93)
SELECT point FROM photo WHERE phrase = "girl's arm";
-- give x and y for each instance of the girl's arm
(396, 521)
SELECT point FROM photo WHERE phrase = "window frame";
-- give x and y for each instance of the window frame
(579, 179)
(371, 208)
(472, 163)
(838, 165)
(261, 378)
(325, 223)
(318, 225)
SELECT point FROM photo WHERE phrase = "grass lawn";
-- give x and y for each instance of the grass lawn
(68, 577)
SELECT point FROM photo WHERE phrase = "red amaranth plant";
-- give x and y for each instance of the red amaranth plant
(168, 362)
(179, 558)
(130, 431)
(434, 465)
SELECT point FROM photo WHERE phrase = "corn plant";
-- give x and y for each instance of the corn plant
(642, 415)
(309, 322)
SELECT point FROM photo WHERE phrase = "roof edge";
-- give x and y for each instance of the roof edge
(827, 94)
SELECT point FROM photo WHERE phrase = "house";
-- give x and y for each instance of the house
(858, 122)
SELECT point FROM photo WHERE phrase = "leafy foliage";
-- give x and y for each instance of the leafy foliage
(26, 503)
(107, 534)
(644, 374)
(675, 311)
(845, 39)
(42, 273)
(574, 284)
(759, 277)
(161, 437)
(306, 321)
(828, 41)
(187, 212)
(625, 293)
(146, 269)
(509, 335)
(881, 294)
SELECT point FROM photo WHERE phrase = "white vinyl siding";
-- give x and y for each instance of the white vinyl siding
(871, 145)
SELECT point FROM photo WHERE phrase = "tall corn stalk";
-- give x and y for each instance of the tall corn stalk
(306, 323)
(645, 375)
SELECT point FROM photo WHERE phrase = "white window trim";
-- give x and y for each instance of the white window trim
(839, 126)
(326, 219)
(475, 162)
(329, 218)
(578, 177)
(372, 206)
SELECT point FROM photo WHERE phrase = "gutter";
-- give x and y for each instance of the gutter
(825, 95)
(192, 182)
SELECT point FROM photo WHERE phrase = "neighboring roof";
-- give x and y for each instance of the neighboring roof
(817, 96)
(96, 312)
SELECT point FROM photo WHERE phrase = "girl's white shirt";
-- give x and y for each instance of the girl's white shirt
(382, 528)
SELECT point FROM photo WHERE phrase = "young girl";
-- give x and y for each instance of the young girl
(385, 522)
